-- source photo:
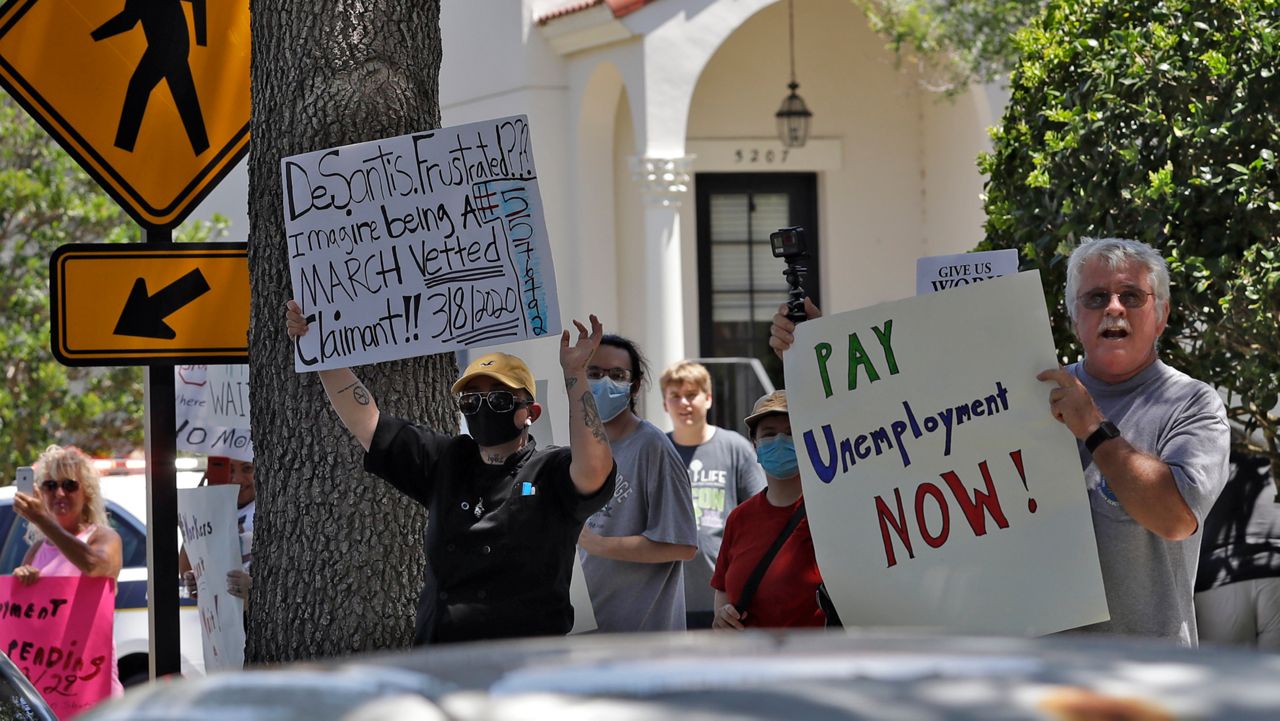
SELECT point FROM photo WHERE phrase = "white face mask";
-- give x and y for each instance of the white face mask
(612, 397)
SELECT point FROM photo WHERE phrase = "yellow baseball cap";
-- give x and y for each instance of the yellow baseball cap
(775, 402)
(504, 367)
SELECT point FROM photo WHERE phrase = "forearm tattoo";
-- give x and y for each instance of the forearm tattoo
(359, 393)
(591, 417)
(570, 382)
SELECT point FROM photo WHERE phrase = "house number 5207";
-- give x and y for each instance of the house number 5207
(756, 155)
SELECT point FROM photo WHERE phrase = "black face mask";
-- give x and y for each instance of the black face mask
(491, 428)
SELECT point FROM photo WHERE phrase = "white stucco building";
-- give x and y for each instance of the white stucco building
(662, 175)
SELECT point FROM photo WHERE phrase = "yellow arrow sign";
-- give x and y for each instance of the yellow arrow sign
(140, 304)
(151, 97)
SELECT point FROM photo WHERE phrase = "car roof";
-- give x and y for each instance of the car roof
(129, 492)
(909, 676)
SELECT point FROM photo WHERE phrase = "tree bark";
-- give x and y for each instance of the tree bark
(338, 560)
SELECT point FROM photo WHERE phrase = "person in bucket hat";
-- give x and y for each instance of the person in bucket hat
(786, 594)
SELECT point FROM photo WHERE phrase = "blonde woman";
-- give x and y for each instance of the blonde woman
(68, 528)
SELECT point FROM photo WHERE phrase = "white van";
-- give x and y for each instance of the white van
(126, 500)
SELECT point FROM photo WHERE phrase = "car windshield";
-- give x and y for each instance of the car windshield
(18, 700)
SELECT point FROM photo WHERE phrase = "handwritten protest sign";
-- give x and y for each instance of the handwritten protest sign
(212, 540)
(940, 272)
(939, 489)
(212, 407)
(418, 244)
(58, 632)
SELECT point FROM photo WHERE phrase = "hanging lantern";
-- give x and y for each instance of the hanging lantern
(793, 117)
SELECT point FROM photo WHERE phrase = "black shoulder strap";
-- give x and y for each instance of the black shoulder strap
(753, 583)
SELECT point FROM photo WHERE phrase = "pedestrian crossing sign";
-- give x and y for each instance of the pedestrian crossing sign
(151, 97)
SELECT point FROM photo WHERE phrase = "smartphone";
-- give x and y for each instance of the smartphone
(218, 470)
(26, 480)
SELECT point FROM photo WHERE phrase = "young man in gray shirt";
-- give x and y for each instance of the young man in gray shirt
(723, 472)
(635, 545)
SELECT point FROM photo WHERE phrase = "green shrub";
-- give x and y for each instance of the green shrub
(1157, 121)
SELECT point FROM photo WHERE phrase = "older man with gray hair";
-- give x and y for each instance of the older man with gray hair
(1154, 442)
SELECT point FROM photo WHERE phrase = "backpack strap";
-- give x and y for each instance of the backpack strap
(753, 582)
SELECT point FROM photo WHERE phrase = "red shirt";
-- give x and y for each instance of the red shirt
(787, 595)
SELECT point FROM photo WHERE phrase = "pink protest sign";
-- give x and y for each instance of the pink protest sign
(58, 631)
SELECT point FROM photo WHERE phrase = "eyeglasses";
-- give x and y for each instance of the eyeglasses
(618, 375)
(1099, 299)
(69, 485)
(499, 401)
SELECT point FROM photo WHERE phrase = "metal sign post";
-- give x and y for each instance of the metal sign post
(162, 513)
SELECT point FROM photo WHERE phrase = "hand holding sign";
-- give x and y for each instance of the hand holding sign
(1071, 403)
(294, 323)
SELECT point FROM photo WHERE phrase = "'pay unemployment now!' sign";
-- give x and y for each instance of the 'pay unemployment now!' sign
(940, 490)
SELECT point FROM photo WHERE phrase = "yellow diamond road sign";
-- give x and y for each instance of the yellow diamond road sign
(115, 304)
(151, 97)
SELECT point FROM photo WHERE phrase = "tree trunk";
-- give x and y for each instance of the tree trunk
(338, 560)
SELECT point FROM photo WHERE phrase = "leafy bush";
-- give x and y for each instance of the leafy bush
(1157, 120)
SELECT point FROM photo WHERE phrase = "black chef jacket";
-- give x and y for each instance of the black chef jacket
(500, 539)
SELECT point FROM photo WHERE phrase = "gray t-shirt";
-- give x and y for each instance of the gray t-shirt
(651, 499)
(1149, 581)
(723, 472)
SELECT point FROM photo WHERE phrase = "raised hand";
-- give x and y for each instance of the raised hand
(782, 330)
(574, 358)
(32, 508)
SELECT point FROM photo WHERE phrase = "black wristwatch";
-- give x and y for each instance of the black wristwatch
(1106, 431)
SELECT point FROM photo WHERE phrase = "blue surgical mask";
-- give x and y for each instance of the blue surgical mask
(778, 456)
(611, 397)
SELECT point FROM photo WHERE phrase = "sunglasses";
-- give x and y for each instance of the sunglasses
(499, 401)
(69, 485)
(1099, 299)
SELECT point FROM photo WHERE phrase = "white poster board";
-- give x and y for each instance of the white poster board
(418, 244)
(584, 616)
(212, 539)
(940, 272)
(940, 491)
(212, 410)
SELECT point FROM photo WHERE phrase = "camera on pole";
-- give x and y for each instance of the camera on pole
(788, 244)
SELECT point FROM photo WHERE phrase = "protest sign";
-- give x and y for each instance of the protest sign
(212, 410)
(584, 616)
(940, 490)
(212, 539)
(58, 633)
(940, 272)
(418, 244)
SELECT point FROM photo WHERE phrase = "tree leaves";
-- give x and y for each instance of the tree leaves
(1165, 129)
(46, 200)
